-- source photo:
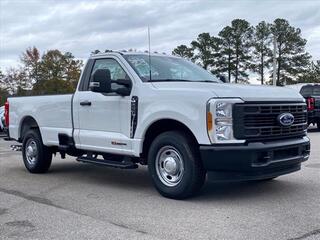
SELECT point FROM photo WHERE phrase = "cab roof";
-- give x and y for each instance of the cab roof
(113, 53)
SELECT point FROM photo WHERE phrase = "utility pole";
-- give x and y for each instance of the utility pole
(274, 77)
(149, 52)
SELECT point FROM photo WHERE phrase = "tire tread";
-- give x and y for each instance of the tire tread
(198, 173)
(44, 160)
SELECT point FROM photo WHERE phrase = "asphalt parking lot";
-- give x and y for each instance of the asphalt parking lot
(81, 201)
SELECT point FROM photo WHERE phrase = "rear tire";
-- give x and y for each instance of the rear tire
(36, 156)
(175, 166)
(318, 125)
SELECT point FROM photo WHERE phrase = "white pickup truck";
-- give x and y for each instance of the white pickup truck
(174, 116)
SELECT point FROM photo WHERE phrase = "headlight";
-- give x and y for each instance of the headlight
(224, 109)
(221, 128)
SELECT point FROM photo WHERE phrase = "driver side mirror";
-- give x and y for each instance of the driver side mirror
(126, 89)
(101, 81)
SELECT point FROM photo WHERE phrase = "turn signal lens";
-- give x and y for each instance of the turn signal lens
(310, 104)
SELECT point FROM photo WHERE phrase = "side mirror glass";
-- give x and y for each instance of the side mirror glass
(101, 81)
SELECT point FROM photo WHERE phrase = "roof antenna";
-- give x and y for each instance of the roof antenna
(149, 52)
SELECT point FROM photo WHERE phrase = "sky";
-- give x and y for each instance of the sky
(83, 26)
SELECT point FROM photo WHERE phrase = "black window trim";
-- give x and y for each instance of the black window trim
(86, 75)
(85, 86)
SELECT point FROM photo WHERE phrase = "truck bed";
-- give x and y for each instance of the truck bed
(51, 112)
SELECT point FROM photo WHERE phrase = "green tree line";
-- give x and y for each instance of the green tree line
(241, 49)
(52, 72)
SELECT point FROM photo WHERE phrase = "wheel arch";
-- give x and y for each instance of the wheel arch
(160, 126)
(27, 123)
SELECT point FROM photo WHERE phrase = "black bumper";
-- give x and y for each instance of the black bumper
(256, 160)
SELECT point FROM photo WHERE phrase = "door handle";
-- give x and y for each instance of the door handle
(85, 103)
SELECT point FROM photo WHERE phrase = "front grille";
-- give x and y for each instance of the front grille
(259, 121)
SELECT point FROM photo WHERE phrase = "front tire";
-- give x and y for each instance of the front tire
(36, 156)
(175, 166)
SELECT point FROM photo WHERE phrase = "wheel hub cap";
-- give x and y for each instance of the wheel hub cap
(169, 166)
(31, 151)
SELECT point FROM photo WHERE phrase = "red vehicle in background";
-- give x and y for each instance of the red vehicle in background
(311, 92)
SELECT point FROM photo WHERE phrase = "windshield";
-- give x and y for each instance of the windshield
(165, 68)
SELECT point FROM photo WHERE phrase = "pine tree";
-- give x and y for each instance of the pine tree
(226, 58)
(183, 51)
(292, 58)
(237, 41)
(312, 74)
(261, 54)
(206, 50)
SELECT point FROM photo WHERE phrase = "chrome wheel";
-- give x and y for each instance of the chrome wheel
(169, 166)
(31, 151)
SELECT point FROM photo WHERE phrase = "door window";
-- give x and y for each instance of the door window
(116, 71)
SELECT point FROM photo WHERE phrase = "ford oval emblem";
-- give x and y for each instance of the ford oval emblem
(286, 119)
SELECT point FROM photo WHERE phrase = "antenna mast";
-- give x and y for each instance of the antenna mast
(149, 52)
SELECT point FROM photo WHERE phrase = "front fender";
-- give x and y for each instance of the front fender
(190, 115)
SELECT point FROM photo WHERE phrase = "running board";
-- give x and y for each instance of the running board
(108, 163)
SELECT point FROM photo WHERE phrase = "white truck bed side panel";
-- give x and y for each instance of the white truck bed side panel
(52, 113)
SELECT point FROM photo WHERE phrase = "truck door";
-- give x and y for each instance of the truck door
(102, 120)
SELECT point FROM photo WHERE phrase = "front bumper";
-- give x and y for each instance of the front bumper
(255, 160)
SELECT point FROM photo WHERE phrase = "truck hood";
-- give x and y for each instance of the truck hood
(226, 90)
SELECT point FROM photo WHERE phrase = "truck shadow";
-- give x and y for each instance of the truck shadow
(98, 175)
(139, 180)
(248, 190)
